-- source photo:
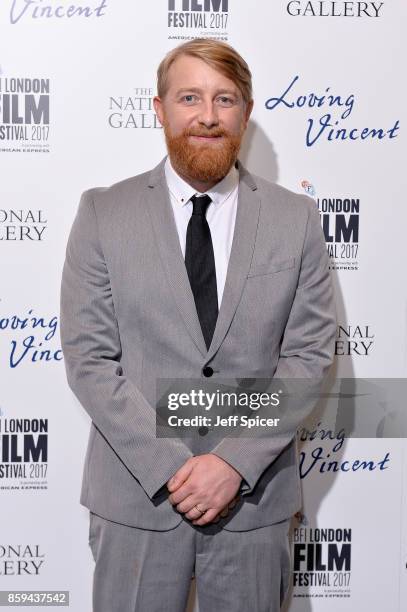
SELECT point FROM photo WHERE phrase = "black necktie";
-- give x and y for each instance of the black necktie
(200, 265)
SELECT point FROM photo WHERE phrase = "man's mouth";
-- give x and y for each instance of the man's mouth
(205, 138)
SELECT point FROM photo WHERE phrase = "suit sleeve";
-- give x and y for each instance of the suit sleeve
(92, 352)
(306, 352)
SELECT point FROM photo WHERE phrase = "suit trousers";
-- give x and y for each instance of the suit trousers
(140, 570)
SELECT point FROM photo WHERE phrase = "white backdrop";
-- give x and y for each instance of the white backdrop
(90, 124)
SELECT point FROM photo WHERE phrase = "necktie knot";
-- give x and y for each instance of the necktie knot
(200, 204)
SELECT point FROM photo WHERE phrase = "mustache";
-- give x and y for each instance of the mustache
(215, 133)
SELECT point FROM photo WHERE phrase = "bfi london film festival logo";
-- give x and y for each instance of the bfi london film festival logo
(19, 225)
(133, 111)
(24, 115)
(189, 19)
(23, 454)
(322, 561)
(340, 223)
(298, 8)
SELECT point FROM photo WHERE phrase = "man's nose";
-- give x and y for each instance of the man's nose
(208, 114)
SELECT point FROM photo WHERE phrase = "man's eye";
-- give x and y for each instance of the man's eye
(189, 98)
(225, 100)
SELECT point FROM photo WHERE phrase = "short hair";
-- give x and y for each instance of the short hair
(219, 55)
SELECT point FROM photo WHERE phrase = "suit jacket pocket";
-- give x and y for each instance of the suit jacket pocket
(272, 267)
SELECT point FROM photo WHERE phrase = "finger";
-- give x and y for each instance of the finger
(224, 513)
(207, 517)
(180, 475)
(194, 513)
(180, 494)
(188, 504)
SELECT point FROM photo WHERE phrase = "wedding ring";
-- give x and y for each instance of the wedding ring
(199, 510)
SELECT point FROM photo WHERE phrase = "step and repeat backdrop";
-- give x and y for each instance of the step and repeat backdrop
(77, 80)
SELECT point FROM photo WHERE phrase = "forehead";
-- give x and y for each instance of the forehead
(192, 72)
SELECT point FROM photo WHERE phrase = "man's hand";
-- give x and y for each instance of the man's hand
(205, 481)
(225, 511)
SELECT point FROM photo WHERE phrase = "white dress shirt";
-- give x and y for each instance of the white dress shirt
(221, 215)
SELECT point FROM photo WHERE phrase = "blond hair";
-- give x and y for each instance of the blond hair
(219, 55)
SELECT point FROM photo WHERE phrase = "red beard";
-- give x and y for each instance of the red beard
(199, 160)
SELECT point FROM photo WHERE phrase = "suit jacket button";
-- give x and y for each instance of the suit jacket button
(207, 371)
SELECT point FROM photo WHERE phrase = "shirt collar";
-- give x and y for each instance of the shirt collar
(183, 191)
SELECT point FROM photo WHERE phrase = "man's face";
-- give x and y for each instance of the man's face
(204, 118)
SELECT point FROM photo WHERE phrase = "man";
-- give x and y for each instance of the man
(196, 269)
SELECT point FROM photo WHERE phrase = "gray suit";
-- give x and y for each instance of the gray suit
(128, 316)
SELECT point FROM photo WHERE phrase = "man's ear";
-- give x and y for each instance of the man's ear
(158, 107)
(248, 111)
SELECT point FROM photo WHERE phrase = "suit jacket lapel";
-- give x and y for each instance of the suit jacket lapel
(166, 236)
(244, 237)
(165, 231)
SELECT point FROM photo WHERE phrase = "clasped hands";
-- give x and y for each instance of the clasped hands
(204, 483)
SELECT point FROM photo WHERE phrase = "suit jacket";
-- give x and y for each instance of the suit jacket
(128, 316)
